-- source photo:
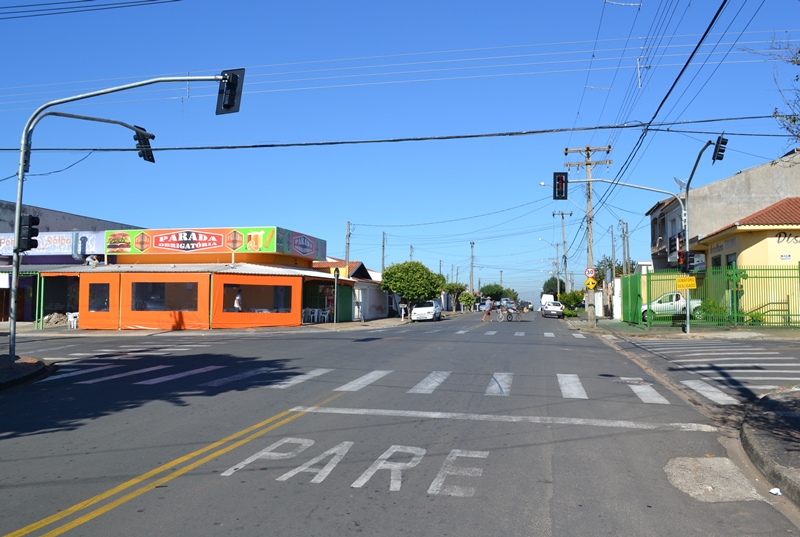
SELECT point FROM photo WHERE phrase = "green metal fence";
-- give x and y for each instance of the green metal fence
(725, 296)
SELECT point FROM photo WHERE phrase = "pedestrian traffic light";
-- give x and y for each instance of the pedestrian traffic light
(230, 91)
(28, 233)
(143, 138)
(682, 265)
(559, 186)
(719, 149)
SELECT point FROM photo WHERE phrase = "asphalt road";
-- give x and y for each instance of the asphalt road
(439, 428)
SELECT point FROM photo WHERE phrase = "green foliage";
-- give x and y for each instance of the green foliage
(710, 308)
(493, 290)
(510, 293)
(604, 264)
(550, 287)
(570, 313)
(571, 299)
(467, 300)
(454, 290)
(412, 281)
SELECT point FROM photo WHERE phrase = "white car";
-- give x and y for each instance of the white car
(426, 310)
(553, 308)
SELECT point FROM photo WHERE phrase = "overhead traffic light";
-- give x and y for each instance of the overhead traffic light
(560, 186)
(229, 97)
(143, 138)
(719, 149)
(28, 233)
(682, 264)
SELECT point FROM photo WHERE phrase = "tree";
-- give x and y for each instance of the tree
(467, 300)
(551, 286)
(493, 290)
(510, 293)
(604, 264)
(413, 281)
(571, 299)
(790, 119)
(454, 290)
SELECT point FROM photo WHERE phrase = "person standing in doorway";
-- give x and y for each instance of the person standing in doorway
(488, 310)
(237, 302)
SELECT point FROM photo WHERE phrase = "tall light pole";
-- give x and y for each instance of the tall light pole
(228, 101)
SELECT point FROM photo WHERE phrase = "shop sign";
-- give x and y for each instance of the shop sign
(57, 243)
(215, 240)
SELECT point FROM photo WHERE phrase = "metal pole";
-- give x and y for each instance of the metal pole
(686, 234)
(24, 165)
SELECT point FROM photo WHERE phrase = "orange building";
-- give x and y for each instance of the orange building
(190, 278)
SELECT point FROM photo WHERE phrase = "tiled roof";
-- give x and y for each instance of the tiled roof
(784, 213)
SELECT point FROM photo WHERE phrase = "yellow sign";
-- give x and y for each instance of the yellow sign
(590, 283)
(686, 282)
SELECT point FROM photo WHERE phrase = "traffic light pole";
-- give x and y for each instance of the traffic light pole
(24, 166)
(588, 163)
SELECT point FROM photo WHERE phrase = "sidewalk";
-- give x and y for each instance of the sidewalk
(770, 431)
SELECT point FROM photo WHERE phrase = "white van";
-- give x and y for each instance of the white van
(545, 299)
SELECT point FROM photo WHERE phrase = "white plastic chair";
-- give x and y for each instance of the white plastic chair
(72, 320)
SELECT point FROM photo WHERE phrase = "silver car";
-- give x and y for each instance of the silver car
(553, 309)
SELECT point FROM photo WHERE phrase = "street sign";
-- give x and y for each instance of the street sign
(589, 272)
(590, 283)
(686, 282)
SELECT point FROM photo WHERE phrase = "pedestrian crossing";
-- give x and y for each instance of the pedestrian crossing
(736, 365)
(498, 384)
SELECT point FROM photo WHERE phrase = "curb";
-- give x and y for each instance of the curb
(18, 378)
(778, 475)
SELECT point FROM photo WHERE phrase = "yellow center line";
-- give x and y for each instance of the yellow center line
(164, 467)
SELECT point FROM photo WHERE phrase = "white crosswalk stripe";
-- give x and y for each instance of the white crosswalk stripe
(500, 384)
(431, 382)
(361, 382)
(58, 376)
(579, 336)
(159, 380)
(645, 391)
(294, 381)
(549, 334)
(718, 396)
(571, 387)
(126, 374)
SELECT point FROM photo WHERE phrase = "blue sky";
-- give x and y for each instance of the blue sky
(371, 71)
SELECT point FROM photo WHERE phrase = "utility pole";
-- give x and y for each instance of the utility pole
(501, 278)
(471, 265)
(610, 285)
(564, 240)
(411, 256)
(628, 267)
(623, 237)
(588, 163)
(347, 250)
(383, 252)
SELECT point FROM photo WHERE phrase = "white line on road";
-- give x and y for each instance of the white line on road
(571, 387)
(549, 334)
(718, 365)
(624, 424)
(289, 382)
(159, 380)
(710, 392)
(579, 336)
(431, 382)
(646, 393)
(737, 358)
(240, 376)
(519, 333)
(490, 333)
(127, 374)
(361, 382)
(500, 384)
(81, 372)
(461, 332)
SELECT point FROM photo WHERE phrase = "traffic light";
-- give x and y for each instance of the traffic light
(28, 233)
(559, 186)
(230, 91)
(682, 265)
(719, 149)
(143, 138)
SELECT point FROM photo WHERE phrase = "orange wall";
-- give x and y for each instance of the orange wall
(246, 319)
(99, 320)
(165, 320)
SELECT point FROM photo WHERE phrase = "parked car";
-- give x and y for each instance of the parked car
(670, 304)
(553, 308)
(426, 310)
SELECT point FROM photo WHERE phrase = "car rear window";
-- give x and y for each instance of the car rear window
(425, 304)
